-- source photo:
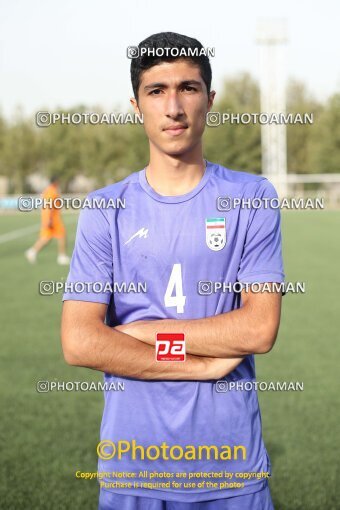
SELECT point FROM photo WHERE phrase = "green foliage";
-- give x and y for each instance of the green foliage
(301, 137)
(110, 152)
(325, 142)
(18, 152)
(236, 146)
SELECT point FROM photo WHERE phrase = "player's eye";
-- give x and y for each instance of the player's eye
(189, 88)
(155, 92)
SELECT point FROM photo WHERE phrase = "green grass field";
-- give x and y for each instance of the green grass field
(47, 437)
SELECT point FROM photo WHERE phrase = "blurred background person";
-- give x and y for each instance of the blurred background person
(52, 225)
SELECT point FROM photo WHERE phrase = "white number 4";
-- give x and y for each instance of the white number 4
(175, 284)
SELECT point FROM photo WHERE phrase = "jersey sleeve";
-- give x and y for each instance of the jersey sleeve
(261, 259)
(91, 269)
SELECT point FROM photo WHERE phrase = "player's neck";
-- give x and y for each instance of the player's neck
(170, 176)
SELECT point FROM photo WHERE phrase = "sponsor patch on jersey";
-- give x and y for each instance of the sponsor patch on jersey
(170, 347)
(215, 233)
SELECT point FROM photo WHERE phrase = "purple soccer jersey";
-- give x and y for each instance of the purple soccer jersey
(165, 246)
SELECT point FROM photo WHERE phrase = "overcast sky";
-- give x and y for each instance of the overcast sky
(69, 52)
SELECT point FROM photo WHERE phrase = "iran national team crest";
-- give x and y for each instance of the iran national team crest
(215, 233)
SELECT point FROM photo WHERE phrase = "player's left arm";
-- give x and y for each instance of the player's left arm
(251, 329)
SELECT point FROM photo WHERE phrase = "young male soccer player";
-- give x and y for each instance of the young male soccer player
(170, 423)
(52, 226)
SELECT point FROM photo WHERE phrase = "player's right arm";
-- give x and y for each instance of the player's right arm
(88, 342)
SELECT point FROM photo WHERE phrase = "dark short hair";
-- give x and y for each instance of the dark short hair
(54, 178)
(168, 40)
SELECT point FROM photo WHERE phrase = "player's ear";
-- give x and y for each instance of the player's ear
(211, 99)
(134, 103)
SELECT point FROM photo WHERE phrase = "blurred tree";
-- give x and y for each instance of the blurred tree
(325, 140)
(110, 152)
(236, 146)
(19, 153)
(61, 147)
(3, 134)
(300, 136)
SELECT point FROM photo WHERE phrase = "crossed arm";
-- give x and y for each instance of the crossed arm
(215, 345)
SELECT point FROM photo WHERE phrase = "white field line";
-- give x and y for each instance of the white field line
(21, 232)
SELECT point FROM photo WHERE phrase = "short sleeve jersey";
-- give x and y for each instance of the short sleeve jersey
(163, 248)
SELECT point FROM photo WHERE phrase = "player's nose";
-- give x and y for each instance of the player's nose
(173, 106)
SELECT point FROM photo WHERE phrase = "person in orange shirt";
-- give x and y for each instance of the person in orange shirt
(52, 226)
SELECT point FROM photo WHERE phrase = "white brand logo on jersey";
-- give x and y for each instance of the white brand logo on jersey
(142, 232)
(215, 233)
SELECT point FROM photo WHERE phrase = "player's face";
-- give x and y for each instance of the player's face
(174, 102)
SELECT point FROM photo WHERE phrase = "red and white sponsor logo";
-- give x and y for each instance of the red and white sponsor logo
(170, 347)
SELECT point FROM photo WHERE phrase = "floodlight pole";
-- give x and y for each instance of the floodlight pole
(271, 38)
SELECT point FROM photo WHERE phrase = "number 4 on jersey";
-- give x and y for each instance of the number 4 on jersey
(175, 285)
